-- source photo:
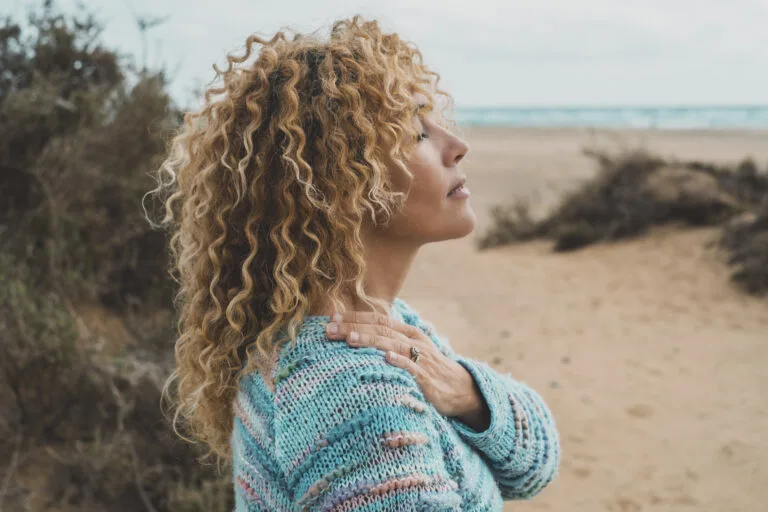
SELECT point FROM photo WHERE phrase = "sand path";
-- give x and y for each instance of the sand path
(655, 365)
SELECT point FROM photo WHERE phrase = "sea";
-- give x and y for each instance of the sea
(662, 117)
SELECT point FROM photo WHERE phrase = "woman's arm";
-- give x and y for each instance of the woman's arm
(522, 442)
(354, 435)
(521, 445)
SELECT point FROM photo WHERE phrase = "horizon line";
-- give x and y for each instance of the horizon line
(614, 106)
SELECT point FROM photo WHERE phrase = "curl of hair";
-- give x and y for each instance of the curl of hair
(265, 191)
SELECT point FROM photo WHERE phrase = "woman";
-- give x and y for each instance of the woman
(305, 189)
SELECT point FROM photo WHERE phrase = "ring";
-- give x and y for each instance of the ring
(415, 354)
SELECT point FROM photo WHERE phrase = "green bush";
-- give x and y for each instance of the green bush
(81, 424)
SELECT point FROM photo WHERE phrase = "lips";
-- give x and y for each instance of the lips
(461, 181)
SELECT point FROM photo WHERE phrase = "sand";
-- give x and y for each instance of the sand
(654, 364)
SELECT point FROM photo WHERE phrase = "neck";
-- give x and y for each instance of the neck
(388, 262)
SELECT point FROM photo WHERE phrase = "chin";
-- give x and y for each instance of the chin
(469, 227)
(462, 227)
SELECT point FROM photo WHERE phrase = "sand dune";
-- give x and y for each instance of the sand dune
(653, 362)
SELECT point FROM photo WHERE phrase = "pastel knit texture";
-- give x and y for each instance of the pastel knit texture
(342, 429)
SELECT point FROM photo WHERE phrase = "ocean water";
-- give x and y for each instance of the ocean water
(754, 116)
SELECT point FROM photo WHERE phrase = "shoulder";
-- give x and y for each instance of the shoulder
(343, 395)
(335, 382)
(411, 316)
(347, 422)
(406, 312)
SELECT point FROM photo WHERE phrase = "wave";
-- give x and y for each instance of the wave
(751, 116)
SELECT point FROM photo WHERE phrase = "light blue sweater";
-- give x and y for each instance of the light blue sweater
(344, 429)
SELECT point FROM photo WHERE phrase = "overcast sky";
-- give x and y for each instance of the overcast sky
(492, 52)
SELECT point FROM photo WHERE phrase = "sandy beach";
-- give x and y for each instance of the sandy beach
(652, 361)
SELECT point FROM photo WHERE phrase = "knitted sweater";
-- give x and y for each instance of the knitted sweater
(343, 429)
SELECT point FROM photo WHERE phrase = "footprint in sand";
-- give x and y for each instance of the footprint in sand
(584, 457)
(640, 411)
(735, 452)
(582, 472)
(623, 504)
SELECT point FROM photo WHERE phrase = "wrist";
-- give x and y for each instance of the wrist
(472, 408)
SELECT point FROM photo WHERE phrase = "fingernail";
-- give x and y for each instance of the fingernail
(337, 317)
(354, 336)
(333, 328)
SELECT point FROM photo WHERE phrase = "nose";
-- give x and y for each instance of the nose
(457, 150)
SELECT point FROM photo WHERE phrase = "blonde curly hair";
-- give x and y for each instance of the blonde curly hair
(265, 191)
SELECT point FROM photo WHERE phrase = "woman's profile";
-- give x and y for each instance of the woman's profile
(297, 199)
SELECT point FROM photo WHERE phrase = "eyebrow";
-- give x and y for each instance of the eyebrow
(419, 107)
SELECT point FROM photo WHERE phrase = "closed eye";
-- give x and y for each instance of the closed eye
(423, 135)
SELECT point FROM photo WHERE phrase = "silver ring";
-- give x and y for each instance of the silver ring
(415, 354)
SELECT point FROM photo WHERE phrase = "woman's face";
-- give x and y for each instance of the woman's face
(430, 214)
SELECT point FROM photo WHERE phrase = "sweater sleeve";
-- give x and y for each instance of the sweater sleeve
(355, 435)
(522, 444)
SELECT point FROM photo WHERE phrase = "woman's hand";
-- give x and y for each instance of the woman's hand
(444, 382)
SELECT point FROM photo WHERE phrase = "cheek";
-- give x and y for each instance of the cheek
(428, 180)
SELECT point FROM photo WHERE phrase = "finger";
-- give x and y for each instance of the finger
(362, 340)
(340, 331)
(356, 339)
(407, 364)
(373, 318)
(366, 317)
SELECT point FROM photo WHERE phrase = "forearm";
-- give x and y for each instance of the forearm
(521, 443)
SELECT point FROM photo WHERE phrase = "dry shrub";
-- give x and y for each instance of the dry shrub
(746, 240)
(84, 430)
(635, 190)
(512, 223)
(81, 424)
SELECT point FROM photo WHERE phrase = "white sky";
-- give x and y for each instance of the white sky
(492, 52)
